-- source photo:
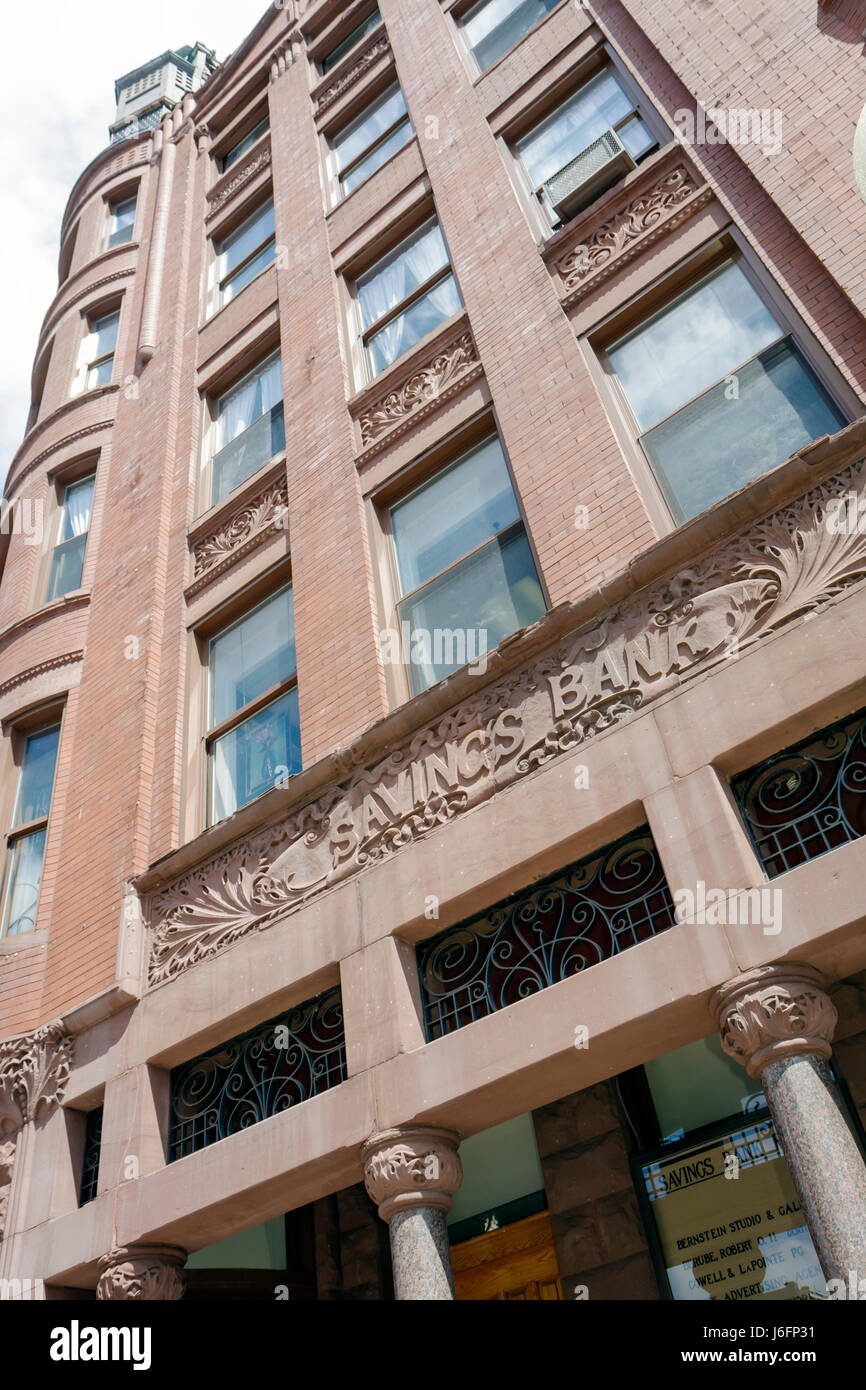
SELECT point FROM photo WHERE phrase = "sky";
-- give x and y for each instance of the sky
(59, 62)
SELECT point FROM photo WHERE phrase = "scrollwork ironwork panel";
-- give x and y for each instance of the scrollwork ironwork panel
(809, 799)
(90, 1164)
(259, 1074)
(588, 913)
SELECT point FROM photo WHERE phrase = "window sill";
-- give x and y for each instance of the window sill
(612, 197)
(25, 940)
(240, 496)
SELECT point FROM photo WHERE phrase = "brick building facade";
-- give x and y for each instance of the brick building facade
(431, 677)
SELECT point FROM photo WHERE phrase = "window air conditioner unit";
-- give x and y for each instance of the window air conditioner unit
(588, 175)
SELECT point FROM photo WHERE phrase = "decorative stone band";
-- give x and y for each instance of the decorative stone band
(630, 230)
(365, 60)
(774, 1012)
(142, 1273)
(240, 533)
(412, 1168)
(52, 664)
(454, 365)
(243, 175)
(601, 674)
(34, 1070)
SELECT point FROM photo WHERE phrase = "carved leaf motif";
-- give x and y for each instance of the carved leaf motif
(626, 225)
(255, 517)
(425, 385)
(368, 57)
(34, 1070)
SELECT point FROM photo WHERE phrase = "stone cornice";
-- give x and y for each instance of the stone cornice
(73, 404)
(67, 659)
(545, 692)
(34, 1070)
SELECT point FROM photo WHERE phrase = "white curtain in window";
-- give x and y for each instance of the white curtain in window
(78, 509)
(254, 398)
(394, 282)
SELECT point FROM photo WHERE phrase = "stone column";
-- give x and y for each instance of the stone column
(142, 1273)
(778, 1021)
(412, 1175)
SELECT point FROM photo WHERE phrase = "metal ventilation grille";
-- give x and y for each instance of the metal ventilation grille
(588, 174)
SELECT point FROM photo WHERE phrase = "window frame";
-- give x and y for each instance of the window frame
(539, 114)
(212, 733)
(727, 245)
(58, 527)
(41, 721)
(459, 14)
(436, 460)
(256, 132)
(112, 207)
(321, 59)
(336, 175)
(362, 336)
(211, 396)
(218, 241)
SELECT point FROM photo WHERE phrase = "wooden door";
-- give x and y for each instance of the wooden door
(517, 1262)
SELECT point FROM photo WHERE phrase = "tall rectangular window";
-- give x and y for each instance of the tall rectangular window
(253, 736)
(122, 222)
(494, 26)
(600, 105)
(245, 143)
(246, 251)
(346, 45)
(466, 574)
(406, 295)
(369, 141)
(718, 390)
(25, 841)
(100, 346)
(67, 560)
(249, 428)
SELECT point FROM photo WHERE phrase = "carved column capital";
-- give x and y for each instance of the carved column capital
(417, 1167)
(34, 1070)
(773, 1012)
(142, 1273)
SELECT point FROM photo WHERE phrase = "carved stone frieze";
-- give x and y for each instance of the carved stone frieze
(243, 175)
(142, 1274)
(412, 1168)
(658, 209)
(774, 1012)
(34, 1070)
(364, 61)
(428, 387)
(241, 532)
(747, 588)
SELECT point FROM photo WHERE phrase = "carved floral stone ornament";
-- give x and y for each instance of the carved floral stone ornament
(142, 1273)
(412, 1168)
(365, 60)
(34, 1070)
(775, 1012)
(455, 364)
(773, 574)
(640, 222)
(241, 532)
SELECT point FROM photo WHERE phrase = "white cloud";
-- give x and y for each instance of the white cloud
(56, 102)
